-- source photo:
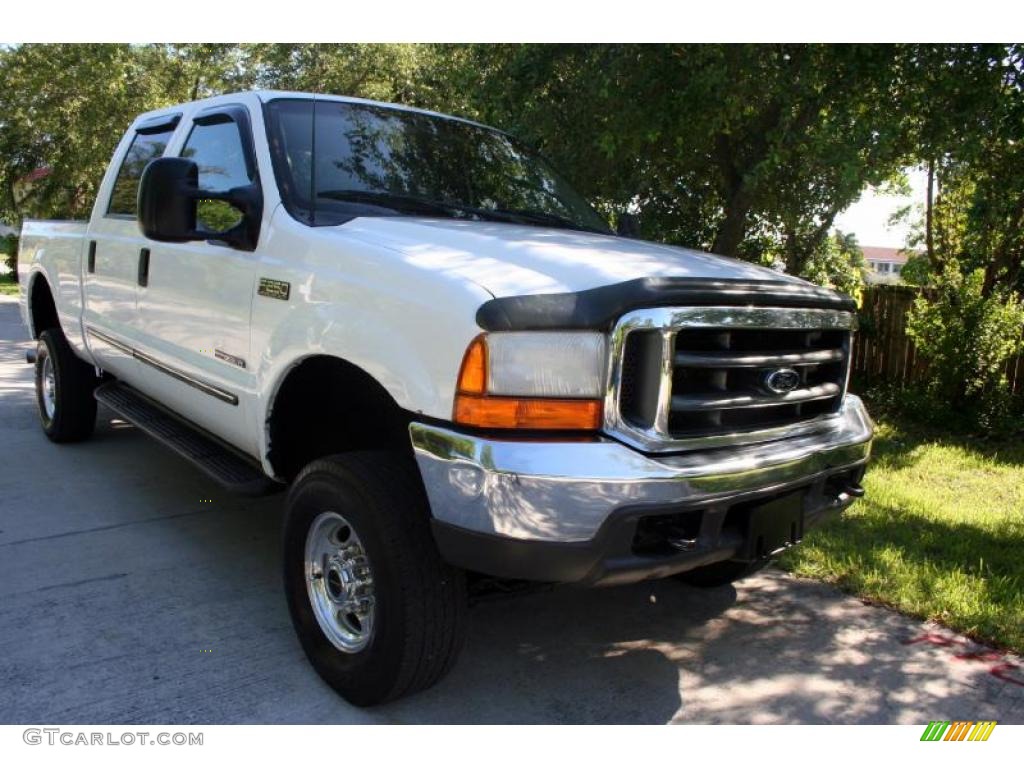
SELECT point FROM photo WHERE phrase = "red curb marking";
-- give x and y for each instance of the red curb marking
(1000, 671)
(980, 656)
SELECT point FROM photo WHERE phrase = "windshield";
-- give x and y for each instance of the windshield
(367, 160)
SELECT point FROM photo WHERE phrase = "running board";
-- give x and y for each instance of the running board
(227, 466)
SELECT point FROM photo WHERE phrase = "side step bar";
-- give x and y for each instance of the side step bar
(227, 466)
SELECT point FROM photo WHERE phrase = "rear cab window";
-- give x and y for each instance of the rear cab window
(150, 141)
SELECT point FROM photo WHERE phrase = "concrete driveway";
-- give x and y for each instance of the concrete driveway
(134, 590)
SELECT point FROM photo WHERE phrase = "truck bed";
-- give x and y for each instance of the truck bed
(63, 243)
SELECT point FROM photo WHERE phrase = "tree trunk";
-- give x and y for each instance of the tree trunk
(791, 248)
(798, 253)
(928, 237)
(733, 229)
(938, 232)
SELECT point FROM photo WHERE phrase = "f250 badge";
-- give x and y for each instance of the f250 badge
(274, 289)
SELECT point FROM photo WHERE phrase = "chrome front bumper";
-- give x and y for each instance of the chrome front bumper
(564, 492)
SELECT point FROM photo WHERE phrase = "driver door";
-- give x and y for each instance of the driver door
(196, 299)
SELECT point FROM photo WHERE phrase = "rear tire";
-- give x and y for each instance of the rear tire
(720, 574)
(358, 526)
(64, 387)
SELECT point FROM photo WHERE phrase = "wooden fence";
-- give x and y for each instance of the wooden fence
(882, 351)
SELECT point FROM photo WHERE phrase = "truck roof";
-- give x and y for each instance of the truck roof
(265, 95)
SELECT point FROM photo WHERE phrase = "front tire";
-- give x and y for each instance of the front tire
(64, 390)
(377, 611)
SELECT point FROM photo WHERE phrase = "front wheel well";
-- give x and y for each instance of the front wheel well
(327, 405)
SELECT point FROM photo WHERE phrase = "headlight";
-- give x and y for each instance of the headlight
(546, 364)
(533, 380)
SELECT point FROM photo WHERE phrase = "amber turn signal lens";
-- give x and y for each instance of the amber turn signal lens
(473, 374)
(526, 413)
(475, 408)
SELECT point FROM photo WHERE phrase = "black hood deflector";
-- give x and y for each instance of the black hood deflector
(599, 308)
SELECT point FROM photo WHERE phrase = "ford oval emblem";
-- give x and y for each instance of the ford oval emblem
(782, 380)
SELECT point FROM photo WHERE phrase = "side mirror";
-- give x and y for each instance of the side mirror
(628, 225)
(167, 200)
(169, 193)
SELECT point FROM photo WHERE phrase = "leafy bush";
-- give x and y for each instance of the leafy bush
(967, 337)
(9, 253)
(917, 270)
(837, 263)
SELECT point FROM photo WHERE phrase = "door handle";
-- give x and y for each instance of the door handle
(144, 267)
(91, 263)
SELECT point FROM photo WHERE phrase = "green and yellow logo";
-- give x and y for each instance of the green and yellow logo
(958, 730)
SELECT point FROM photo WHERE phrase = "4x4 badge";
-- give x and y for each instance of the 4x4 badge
(274, 289)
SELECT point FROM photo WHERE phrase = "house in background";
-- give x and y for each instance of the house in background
(884, 264)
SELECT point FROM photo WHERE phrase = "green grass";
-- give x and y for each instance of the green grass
(8, 287)
(939, 535)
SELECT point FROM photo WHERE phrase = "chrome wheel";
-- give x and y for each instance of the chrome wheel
(49, 386)
(339, 582)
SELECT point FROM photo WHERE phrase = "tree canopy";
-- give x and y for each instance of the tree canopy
(747, 150)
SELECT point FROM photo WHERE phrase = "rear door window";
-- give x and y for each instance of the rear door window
(144, 147)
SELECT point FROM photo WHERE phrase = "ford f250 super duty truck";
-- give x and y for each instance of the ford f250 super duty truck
(413, 323)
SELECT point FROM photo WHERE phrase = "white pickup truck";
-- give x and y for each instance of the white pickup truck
(416, 326)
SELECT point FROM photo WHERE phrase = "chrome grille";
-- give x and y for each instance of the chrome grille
(703, 376)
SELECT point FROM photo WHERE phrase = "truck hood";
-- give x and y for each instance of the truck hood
(514, 260)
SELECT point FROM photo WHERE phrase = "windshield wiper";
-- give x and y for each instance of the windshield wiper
(425, 205)
(549, 219)
(395, 201)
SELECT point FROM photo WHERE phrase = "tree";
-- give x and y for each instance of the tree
(746, 150)
(62, 111)
(967, 121)
(837, 262)
(191, 71)
(732, 148)
(63, 108)
(384, 72)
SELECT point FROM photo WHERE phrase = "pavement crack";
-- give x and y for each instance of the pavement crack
(105, 528)
(79, 582)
